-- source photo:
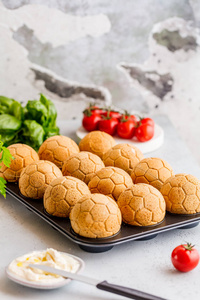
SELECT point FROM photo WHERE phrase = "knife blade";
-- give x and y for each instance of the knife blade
(102, 285)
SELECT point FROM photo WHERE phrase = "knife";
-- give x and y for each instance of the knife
(103, 285)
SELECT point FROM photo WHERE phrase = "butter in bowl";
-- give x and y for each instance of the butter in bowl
(20, 272)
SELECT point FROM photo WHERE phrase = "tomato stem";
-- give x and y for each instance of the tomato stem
(189, 246)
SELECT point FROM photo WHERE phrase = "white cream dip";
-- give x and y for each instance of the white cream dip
(48, 257)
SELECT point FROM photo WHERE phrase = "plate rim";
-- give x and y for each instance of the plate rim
(44, 285)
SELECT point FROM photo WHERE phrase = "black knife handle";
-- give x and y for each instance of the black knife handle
(127, 292)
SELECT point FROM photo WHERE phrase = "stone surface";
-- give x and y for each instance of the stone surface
(167, 78)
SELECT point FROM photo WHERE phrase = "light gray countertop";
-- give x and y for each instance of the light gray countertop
(143, 265)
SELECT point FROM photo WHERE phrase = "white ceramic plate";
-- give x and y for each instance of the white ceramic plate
(44, 285)
(146, 147)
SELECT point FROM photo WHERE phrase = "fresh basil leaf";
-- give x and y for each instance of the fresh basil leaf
(3, 109)
(3, 187)
(9, 138)
(16, 110)
(9, 124)
(33, 133)
(5, 101)
(5, 104)
(51, 132)
(52, 113)
(6, 156)
(37, 111)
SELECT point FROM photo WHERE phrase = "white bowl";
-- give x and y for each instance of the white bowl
(44, 285)
(146, 147)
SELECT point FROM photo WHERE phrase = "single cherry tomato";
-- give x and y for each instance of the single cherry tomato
(185, 257)
(96, 110)
(134, 118)
(108, 125)
(126, 116)
(144, 132)
(148, 121)
(112, 114)
(126, 127)
(90, 121)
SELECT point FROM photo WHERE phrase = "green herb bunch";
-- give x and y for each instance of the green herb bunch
(29, 125)
(6, 159)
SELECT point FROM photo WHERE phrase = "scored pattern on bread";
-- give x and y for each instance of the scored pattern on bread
(23, 156)
(57, 149)
(36, 177)
(182, 194)
(96, 216)
(142, 205)
(97, 142)
(110, 181)
(82, 165)
(62, 194)
(153, 171)
(123, 156)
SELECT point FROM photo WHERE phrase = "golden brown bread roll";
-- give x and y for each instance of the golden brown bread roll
(95, 216)
(142, 205)
(97, 142)
(57, 149)
(23, 156)
(82, 165)
(123, 156)
(35, 178)
(110, 181)
(153, 171)
(182, 194)
(62, 194)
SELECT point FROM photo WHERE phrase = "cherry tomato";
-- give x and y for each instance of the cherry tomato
(108, 125)
(96, 110)
(148, 121)
(132, 117)
(126, 116)
(126, 128)
(112, 114)
(90, 121)
(144, 132)
(185, 257)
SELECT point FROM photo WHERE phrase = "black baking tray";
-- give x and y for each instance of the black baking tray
(126, 234)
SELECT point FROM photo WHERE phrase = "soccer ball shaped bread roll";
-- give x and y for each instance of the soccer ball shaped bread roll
(153, 171)
(95, 216)
(62, 194)
(142, 205)
(97, 142)
(82, 165)
(36, 177)
(23, 155)
(110, 181)
(57, 149)
(182, 194)
(123, 156)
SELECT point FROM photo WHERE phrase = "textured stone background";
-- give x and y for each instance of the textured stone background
(92, 60)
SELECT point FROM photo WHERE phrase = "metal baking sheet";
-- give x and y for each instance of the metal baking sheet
(126, 234)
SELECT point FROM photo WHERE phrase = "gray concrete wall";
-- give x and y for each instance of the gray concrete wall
(82, 43)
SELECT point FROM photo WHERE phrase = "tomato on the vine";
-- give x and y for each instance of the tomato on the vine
(90, 120)
(96, 110)
(108, 125)
(112, 114)
(145, 130)
(126, 116)
(126, 127)
(185, 257)
(146, 121)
